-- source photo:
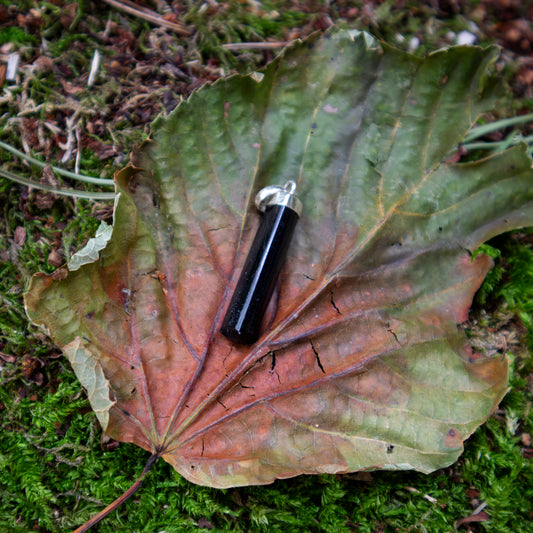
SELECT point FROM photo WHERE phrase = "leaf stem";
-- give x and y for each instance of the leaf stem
(479, 131)
(63, 192)
(57, 170)
(121, 499)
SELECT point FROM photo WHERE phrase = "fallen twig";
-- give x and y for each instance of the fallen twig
(149, 15)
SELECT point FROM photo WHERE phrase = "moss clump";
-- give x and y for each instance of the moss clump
(17, 36)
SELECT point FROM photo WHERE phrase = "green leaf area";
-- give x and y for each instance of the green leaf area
(361, 364)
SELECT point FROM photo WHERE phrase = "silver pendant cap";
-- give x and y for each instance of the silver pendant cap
(276, 195)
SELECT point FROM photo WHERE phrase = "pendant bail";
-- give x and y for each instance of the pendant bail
(276, 195)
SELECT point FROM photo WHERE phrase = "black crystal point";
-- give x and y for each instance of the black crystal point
(258, 278)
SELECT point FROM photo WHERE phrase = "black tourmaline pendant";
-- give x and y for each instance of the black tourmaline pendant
(254, 289)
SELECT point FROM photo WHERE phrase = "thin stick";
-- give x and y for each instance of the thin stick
(149, 15)
(120, 500)
(57, 170)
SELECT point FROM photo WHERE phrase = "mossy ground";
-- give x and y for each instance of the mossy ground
(56, 470)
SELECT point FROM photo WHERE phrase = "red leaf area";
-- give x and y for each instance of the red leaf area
(332, 357)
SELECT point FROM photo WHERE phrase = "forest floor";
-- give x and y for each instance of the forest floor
(56, 469)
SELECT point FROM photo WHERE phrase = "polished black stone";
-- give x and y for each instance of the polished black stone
(261, 270)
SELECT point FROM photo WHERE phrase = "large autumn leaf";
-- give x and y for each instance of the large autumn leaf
(361, 364)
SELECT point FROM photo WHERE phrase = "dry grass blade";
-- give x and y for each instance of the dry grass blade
(256, 46)
(147, 14)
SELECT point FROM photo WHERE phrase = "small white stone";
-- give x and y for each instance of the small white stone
(414, 43)
(465, 37)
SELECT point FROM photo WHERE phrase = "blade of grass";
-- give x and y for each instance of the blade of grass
(270, 45)
(63, 192)
(499, 145)
(479, 131)
(62, 172)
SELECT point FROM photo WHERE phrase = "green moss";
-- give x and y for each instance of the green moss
(232, 22)
(511, 278)
(494, 276)
(16, 35)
